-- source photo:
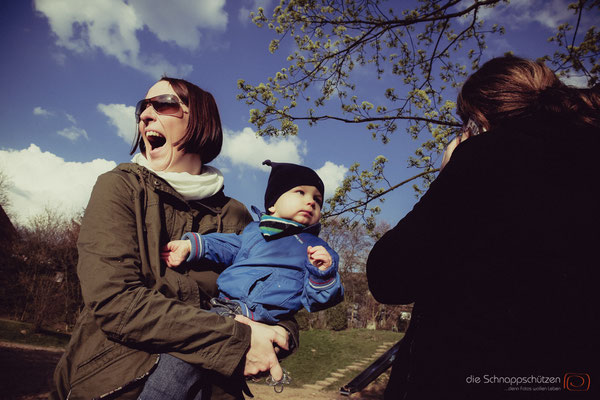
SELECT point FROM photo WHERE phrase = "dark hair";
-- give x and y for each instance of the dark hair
(204, 134)
(509, 87)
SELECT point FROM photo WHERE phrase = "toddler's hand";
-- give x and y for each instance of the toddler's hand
(319, 257)
(175, 252)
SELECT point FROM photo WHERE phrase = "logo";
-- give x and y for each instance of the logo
(576, 382)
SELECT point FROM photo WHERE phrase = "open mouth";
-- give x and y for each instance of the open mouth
(155, 139)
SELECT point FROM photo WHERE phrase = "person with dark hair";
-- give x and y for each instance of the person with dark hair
(135, 307)
(274, 268)
(499, 256)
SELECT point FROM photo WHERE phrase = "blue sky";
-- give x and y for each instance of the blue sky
(72, 70)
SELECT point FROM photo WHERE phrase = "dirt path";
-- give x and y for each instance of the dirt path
(26, 374)
(263, 392)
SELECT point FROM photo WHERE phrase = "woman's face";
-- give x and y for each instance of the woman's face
(161, 132)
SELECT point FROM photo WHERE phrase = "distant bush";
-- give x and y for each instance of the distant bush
(41, 268)
(303, 318)
(334, 318)
(337, 318)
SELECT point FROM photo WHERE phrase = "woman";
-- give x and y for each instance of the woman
(499, 256)
(135, 307)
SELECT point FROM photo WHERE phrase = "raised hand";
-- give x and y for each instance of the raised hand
(319, 257)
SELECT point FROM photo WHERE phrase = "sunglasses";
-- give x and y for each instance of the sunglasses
(165, 104)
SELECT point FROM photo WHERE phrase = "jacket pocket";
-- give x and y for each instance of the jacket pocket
(180, 286)
(259, 285)
(282, 290)
(103, 359)
(114, 369)
(188, 290)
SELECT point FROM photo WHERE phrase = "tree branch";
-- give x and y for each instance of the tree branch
(392, 188)
(370, 119)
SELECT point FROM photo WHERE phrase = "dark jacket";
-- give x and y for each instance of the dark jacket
(500, 258)
(273, 278)
(136, 307)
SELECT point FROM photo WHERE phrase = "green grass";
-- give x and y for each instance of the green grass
(322, 352)
(20, 332)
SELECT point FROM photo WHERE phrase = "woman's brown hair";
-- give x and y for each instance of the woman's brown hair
(509, 87)
(204, 134)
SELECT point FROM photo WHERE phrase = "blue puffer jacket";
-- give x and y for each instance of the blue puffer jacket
(274, 279)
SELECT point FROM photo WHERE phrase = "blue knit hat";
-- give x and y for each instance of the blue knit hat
(286, 176)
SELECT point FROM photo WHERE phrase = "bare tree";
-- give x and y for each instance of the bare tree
(43, 265)
(5, 184)
(353, 242)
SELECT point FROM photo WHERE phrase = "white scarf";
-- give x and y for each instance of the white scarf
(191, 187)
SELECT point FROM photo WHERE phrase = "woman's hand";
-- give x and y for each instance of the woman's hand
(261, 355)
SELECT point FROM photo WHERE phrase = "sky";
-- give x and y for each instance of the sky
(73, 70)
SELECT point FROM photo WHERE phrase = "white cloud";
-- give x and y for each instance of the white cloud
(41, 112)
(551, 14)
(41, 180)
(245, 149)
(71, 118)
(580, 81)
(112, 27)
(122, 117)
(518, 13)
(73, 133)
(181, 20)
(332, 176)
(107, 24)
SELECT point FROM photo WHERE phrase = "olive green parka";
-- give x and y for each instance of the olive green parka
(136, 307)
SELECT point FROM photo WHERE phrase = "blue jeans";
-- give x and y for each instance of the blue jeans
(173, 379)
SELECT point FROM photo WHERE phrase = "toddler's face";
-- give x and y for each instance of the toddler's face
(300, 204)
